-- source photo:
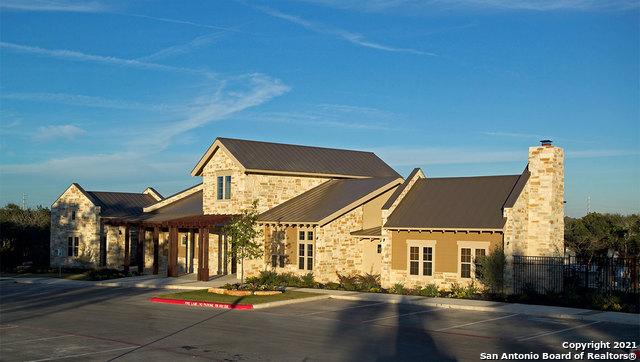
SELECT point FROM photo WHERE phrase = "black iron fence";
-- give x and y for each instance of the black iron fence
(545, 274)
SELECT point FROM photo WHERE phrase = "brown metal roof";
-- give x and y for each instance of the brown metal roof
(455, 203)
(368, 233)
(328, 200)
(257, 156)
(186, 207)
(399, 190)
(116, 204)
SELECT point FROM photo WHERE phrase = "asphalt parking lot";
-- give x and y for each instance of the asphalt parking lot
(40, 322)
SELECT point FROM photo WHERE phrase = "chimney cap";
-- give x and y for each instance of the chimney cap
(546, 142)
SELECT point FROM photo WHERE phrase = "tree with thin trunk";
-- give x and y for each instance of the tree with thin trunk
(243, 232)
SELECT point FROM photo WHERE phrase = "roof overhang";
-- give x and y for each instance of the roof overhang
(445, 229)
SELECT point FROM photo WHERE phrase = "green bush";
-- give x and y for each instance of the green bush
(430, 290)
(490, 270)
(103, 274)
(368, 281)
(397, 288)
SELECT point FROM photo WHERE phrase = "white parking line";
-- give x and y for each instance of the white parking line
(82, 354)
(400, 315)
(558, 331)
(338, 310)
(9, 327)
(482, 321)
(33, 340)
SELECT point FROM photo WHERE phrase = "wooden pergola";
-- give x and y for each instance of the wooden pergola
(202, 223)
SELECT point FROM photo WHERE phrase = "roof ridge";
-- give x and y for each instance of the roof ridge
(467, 177)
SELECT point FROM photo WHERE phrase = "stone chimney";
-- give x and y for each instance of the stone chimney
(545, 204)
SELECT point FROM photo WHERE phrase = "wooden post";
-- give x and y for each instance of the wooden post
(126, 249)
(141, 249)
(203, 254)
(172, 268)
(219, 253)
(156, 246)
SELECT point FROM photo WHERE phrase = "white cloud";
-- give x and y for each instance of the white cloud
(196, 43)
(353, 38)
(175, 21)
(88, 101)
(79, 56)
(426, 6)
(64, 132)
(54, 5)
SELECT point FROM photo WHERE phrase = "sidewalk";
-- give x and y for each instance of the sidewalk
(189, 282)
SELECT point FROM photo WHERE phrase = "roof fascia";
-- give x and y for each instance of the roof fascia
(82, 191)
(360, 201)
(174, 198)
(151, 191)
(217, 144)
(492, 230)
(396, 197)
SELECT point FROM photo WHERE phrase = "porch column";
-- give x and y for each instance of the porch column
(141, 249)
(126, 249)
(203, 254)
(156, 247)
(172, 268)
(219, 253)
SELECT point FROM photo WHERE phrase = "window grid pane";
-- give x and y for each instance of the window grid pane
(227, 187)
(426, 268)
(480, 252)
(70, 247)
(274, 261)
(301, 235)
(427, 254)
(465, 255)
(413, 253)
(466, 271)
(219, 187)
(309, 249)
(301, 250)
(301, 262)
(310, 235)
(413, 268)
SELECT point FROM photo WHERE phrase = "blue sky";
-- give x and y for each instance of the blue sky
(119, 95)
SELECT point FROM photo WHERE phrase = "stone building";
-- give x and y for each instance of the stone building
(327, 211)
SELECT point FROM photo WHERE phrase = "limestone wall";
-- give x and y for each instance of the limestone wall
(270, 190)
(86, 226)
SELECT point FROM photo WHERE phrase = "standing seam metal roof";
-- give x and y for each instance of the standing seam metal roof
(265, 156)
(457, 203)
(115, 204)
(322, 201)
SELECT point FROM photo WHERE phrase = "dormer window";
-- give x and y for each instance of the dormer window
(224, 188)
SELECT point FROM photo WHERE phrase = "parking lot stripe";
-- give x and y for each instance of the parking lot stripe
(33, 340)
(399, 315)
(556, 332)
(482, 321)
(340, 310)
(8, 327)
(81, 354)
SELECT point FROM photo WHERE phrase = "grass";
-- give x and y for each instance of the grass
(71, 276)
(204, 296)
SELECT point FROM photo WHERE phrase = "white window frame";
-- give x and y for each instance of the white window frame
(226, 188)
(421, 244)
(473, 245)
(305, 254)
(75, 242)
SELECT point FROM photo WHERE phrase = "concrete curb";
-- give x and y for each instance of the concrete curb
(290, 301)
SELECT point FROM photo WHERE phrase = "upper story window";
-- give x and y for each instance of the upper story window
(73, 215)
(224, 188)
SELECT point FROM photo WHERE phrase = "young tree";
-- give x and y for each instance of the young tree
(243, 233)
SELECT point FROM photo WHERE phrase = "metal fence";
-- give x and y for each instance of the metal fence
(544, 274)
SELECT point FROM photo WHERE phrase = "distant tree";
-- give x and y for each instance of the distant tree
(24, 236)
(243, 232)
(596, 234)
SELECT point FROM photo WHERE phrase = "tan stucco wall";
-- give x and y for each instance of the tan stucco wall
(86, 226)
(445, 256)
(372, 210)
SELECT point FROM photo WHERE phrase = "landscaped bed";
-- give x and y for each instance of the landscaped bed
(205, 296)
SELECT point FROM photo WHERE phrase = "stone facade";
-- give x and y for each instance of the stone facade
(269, 190)
(74, 215)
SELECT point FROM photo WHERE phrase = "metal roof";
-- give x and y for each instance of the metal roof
(186, 207)
(257, 156)
(329, 200)
(399, 190)
(457, 203)
(115, 204)
(374, 232)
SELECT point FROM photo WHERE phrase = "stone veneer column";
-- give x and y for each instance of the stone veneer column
(546, 202)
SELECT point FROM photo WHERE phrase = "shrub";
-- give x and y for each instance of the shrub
(307, 280)
(458, 291)
(397, 288)
(348, 282)
(367, 281)
(103, 274)
(430, 290)
(490, 270)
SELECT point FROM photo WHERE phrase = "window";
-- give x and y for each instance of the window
(415, 259)
(305, 250)
(277, 260)
(479, 252)
(74, 242)
(73, 215)
(468, 251)
(184, 240)
(465, 262)
(379, 248)
(224, 187)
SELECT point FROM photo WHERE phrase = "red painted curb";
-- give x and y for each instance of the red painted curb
(201, 304)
